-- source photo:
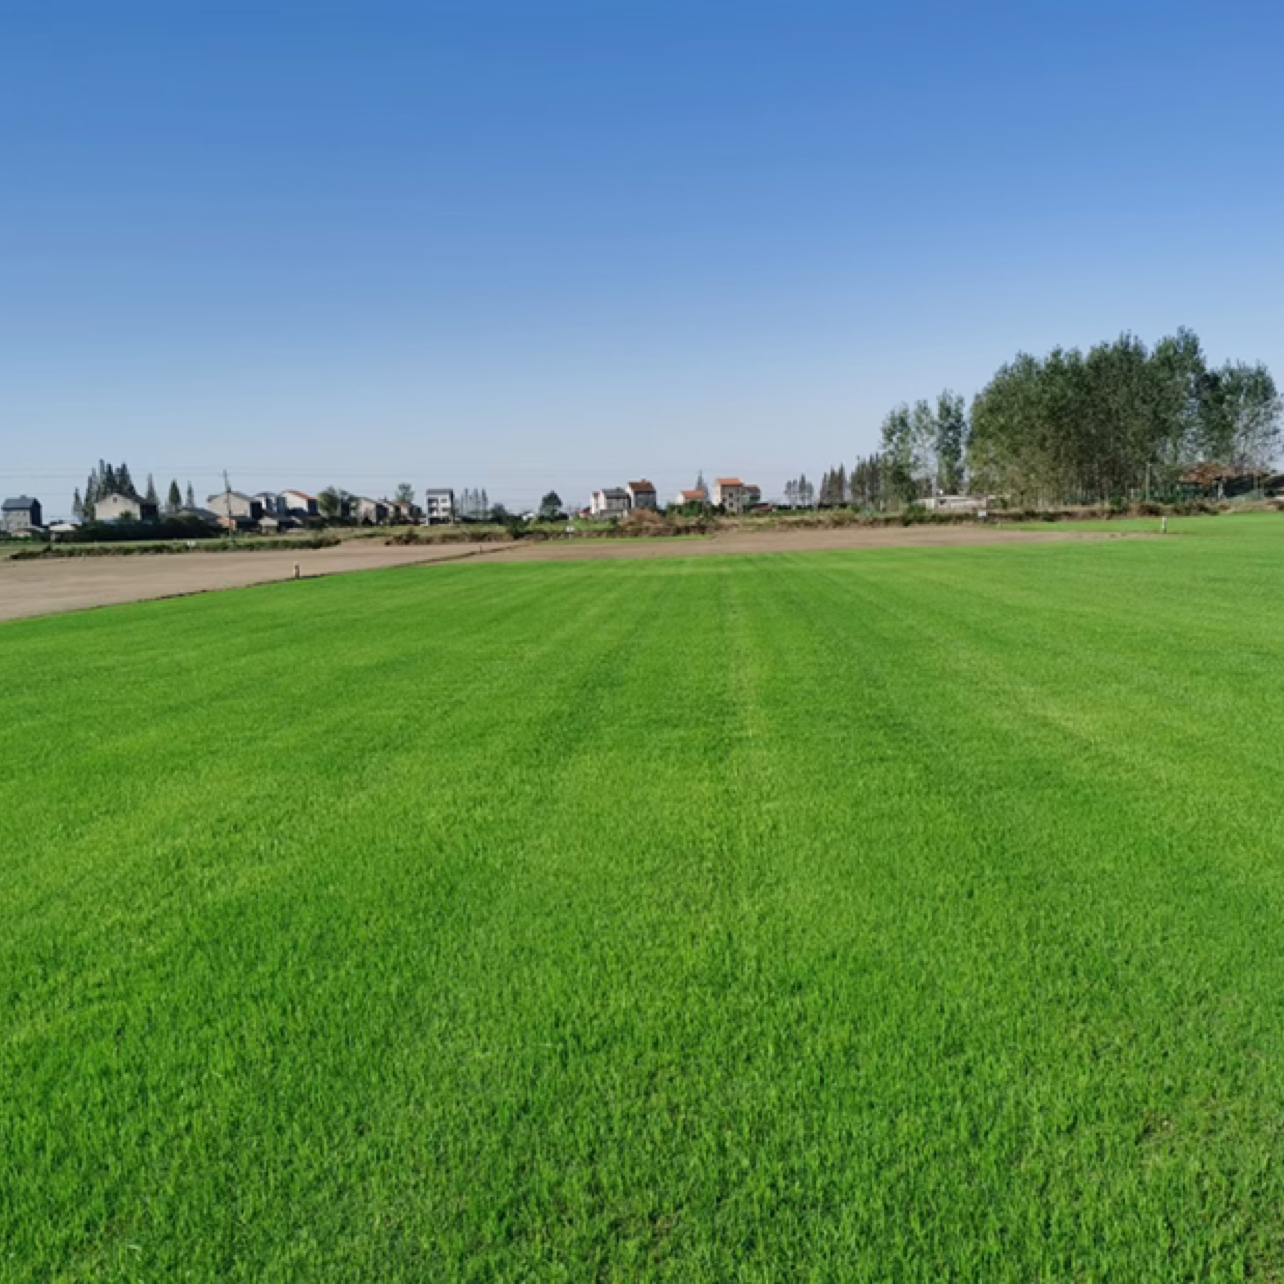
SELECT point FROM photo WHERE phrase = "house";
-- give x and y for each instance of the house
(369, 512)
(641, 494)
(439, 506)
(200, 515)
(405, 513)
(235, 510)
(610, 502)
(63, 530)
(124, 508)
(271, 524)
(685, 497)
(753, 495)
(296, 503)
(20, 513)
(271, 504)
(729, 494)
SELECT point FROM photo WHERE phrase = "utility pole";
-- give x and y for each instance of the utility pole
(227, 506)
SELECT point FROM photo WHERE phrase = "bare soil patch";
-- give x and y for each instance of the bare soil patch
(56, 585)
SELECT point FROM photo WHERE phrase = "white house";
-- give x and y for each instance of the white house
(296, 503)
(439, 506)
(610, 502)
(123, 508)
(233, 508)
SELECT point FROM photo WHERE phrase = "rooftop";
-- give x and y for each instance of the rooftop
(18, 504)
(641, 485)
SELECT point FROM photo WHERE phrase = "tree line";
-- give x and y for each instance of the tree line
(106, 479)
(1119, 422)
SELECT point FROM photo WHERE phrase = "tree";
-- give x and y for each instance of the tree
(151, 496)
(125, 483)
(550, 507)
(867, 482)
(1119, 422)
(1241, 418)
(107, 483)
(899, 452)
(331, 503)
(951, 441)
(191, 496)
(404, 494)
(77, 506)
(699, 484)
(174, 500)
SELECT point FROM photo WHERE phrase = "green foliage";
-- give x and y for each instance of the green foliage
(1120, 421)
(332, 504)
(181, 528)
(906, 915)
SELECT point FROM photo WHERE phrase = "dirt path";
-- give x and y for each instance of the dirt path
(55, 585)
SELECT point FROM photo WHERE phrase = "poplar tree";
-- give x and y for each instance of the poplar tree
(174, 500)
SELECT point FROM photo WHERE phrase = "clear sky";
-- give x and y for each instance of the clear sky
(525, 244)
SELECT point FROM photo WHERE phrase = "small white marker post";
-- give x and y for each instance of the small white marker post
(1164, 527)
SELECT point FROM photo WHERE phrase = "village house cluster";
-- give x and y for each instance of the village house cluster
(263, 513)
(272, 512)
(729, 494)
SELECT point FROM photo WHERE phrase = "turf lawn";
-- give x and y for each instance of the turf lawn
(905, 914)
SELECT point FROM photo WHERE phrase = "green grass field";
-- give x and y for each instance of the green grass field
(891, 915)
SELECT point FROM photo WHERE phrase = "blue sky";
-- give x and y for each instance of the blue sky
(555, 243)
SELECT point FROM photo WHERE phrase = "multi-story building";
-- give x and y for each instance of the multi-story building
(439, 506)
(729, 494)
(21, 513)
(611, 502)
(641, 494)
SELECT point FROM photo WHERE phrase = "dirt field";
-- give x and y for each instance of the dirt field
(29, 588)
(48, 587)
